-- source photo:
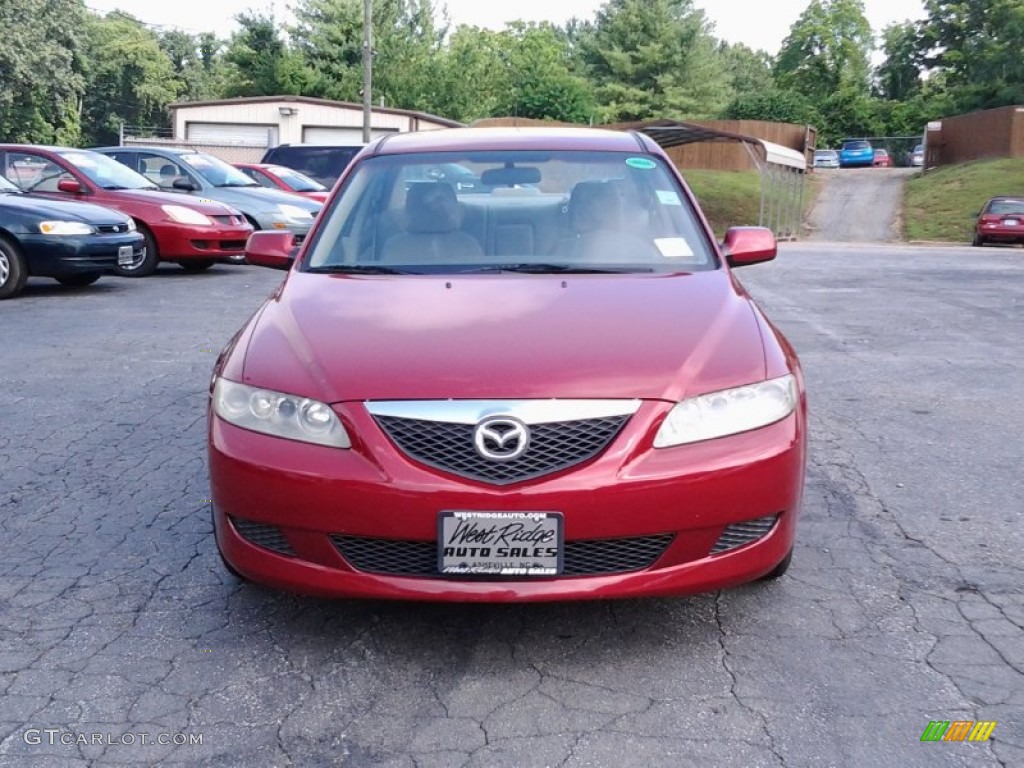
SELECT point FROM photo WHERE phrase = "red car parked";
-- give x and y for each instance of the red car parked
(882, 159)
(193, 233)
(1001, 220)
(279, 177)
(552, 389)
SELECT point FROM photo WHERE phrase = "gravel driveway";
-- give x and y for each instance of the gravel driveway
(859, 205)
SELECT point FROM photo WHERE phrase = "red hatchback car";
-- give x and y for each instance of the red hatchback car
(194, 233)
(279, 177)
(1001, 220)
(555, 389)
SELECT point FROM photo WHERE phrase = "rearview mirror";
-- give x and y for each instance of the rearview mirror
(510, 176)
(749, 245)
(71, 186)
(275, 250)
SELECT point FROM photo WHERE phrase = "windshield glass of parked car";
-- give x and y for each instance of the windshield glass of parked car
(853, 145)
(297, 181)
(216, 171)
(539, 211)
(106, 172)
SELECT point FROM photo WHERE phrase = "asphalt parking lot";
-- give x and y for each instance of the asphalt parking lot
(905, 602)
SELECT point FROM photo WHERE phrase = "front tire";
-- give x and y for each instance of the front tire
(146, 264)
(779, 569)
(87, 278)
(13, 270)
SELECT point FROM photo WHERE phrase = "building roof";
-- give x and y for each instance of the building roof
(317, 102)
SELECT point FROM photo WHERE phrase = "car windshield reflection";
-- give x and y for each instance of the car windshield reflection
(512, 211)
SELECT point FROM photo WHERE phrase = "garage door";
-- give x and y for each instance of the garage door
(232, 133)
(317, 135)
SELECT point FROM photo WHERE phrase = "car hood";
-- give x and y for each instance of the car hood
(336, 338)
(64, 210)
(204, 205)
(259, 198)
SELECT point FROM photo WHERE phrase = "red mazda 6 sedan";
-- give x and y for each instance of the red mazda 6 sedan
(554, 389)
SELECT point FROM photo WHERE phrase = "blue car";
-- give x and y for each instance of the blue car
(72, 242)
(856, 153)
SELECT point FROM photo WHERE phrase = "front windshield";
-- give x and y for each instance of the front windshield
(106, 172)
(532, 212)
(6, 186)
(297, 181)
(216, 171)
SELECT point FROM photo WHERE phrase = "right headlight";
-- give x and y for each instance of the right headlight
(278, 414)
(728, 412)
(184, 215)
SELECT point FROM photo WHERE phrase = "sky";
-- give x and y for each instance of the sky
(757, 23)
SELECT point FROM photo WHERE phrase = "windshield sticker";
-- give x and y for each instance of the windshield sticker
(674, 247)
(668, 197)
(644, 163)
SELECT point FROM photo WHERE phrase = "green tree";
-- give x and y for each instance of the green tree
(539, 82)
(827, 49)
(899, 76)
(654, 59)
(773, 105)
(129, 78)
(261, 64)
(198, 63)
(41, 83)
(749, 71)
(976, 45)
(471, 76)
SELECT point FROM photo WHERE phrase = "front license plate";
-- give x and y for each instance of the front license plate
(499, 543)
(124, 255)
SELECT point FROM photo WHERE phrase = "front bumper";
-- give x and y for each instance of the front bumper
(308, 498)
(178, 242)
(57, 256)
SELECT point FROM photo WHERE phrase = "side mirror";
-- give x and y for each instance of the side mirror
(271, 249)
(185, 185)
(71, 186)
(749, 245)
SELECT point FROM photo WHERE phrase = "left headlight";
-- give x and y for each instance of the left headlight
(278, 414)
(295, 213)
(131, 225)
(66, 228)
(728, 412)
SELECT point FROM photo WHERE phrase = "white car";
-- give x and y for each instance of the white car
(826, 158)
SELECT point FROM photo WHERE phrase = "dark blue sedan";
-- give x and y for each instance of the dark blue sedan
(73, 242)
(856, 153)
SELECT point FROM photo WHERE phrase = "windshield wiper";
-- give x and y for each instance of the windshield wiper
(236, 184)
(539, 268)
(115, 187)
(358, 269)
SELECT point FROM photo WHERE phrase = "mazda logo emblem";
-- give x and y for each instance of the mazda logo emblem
(501, 438)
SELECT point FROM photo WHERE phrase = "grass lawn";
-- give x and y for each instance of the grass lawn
(733, 198)
(941, 204)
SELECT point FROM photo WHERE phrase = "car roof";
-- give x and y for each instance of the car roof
(147, 148)
(483, 139)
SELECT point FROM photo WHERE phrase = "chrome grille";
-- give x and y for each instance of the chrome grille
(112, 228)
(584, 557)
(553, 447)
(263, 535)
(738, 534)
